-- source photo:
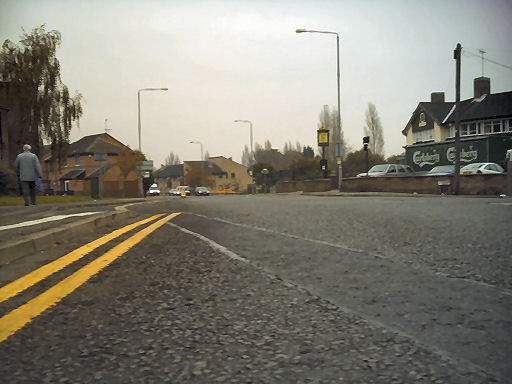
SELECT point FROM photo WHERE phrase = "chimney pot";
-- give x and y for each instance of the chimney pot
(481, 86)
(437, 97)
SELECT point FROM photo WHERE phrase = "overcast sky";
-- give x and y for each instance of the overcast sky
(228, 60)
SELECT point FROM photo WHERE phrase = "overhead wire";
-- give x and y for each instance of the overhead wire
(472, 54)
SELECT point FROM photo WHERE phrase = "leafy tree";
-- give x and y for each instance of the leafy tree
(172, 159)
(306, 168)
(270, 156)
(308, 152)
(374, 129)
(259, 177)
(45, 107)
(291, 153)
(355, 162)
(128, 161)
(396, 159)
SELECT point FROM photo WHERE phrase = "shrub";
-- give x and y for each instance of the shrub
(8, 181)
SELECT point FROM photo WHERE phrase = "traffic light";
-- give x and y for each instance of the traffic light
(366, 140)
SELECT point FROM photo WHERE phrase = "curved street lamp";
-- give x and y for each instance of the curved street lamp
(303, 30)
(250, 124)
(138, 104)
(202, 161)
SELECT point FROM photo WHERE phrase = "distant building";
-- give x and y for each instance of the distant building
(169, 176)
(91, 169)
(219, 174)
(485, 129)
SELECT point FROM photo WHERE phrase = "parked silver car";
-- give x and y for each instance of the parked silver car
(442, 170)
(388, 170)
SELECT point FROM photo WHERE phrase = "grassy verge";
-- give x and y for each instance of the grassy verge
(18, 200)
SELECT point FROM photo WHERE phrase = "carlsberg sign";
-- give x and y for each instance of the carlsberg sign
(424, 158)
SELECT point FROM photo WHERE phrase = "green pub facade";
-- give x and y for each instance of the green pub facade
(485, 129)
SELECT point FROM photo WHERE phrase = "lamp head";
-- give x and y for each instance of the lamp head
(300, 30)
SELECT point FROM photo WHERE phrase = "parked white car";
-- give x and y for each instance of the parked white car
(388, 170)
(481, 169)
(153, 190)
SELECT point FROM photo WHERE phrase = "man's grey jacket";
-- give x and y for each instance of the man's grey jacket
(27, 166)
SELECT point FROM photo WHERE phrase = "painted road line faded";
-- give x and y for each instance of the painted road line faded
(45, 220)
(19, 317)
(34, 277)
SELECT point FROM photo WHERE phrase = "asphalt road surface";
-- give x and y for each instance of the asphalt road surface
(280, 288)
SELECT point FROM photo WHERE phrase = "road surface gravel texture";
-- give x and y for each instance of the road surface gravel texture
(178, 309)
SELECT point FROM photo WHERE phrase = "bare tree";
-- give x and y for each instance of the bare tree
(374, 129)
(172, 159)
(247, 158)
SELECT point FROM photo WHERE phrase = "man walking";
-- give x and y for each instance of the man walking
(28, 170)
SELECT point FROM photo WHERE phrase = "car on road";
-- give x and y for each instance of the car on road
(172, 192)
(442, 170)
(201, 191)
(153, 190)
(183, 189)
(388, 170)
(481, 169)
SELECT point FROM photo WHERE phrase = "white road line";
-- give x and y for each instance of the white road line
(44, 220)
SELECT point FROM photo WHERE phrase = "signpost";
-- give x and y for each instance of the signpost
(323, 141)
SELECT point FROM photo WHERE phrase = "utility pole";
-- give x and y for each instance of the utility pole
(456, 56)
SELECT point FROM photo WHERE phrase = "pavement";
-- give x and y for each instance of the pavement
(17, 242)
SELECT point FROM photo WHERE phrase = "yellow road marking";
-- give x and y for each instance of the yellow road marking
(32, 278)
(19, 317)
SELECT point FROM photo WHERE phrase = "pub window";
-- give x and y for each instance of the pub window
(473, 129)
(232, 175)
(426, 135)
(496, 126)
(464, 130)
(509, 126)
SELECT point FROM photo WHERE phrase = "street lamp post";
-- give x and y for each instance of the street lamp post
(302, 30)
(250, 127)
(202, 160)
(138, 104)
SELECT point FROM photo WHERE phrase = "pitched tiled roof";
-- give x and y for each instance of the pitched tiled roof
(496, 105)
(437, 111)
(96, 144)
(212, 167)
(75, 174)
(491, 106)
(96, 173)
(170, 171)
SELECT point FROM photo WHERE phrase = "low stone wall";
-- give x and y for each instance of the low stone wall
(317, 185)
(469, 185)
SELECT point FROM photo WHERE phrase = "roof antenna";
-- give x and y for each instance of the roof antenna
(107, 129)
(482, 52)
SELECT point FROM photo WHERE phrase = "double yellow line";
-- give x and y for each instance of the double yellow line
(13, 321)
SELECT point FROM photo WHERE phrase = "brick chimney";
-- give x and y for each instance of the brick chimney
(437, 97)
(481, 86)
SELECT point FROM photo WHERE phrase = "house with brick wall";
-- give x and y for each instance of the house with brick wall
(91, 168)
